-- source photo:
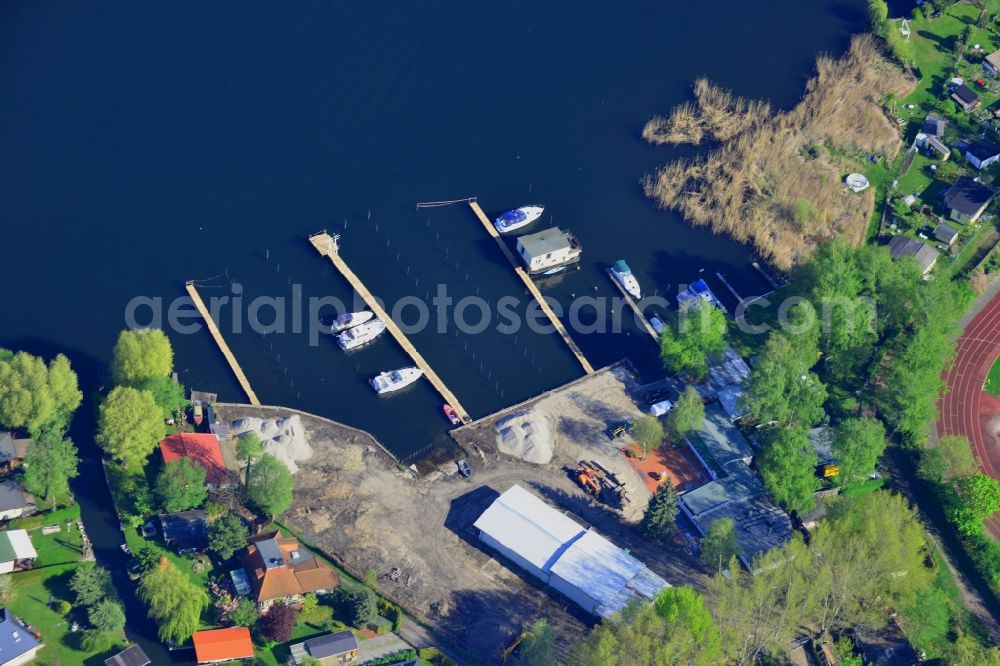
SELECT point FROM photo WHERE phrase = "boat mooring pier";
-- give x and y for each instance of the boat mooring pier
(635, 307)
(221, 342)
(327, 246)
(532, 287)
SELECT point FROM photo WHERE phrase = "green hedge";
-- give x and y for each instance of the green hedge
(57, 517)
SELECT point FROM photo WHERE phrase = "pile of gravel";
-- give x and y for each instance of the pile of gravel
(524, 436)
(285, 438)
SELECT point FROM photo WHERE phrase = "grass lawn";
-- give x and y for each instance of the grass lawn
(993, 380)
(918, 177)
(183, 562)
(869, 486)
(63, 547)
(933, 51)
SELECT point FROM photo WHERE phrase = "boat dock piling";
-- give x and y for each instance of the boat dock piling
(767, 275)
(327, 246)
(635, 307)
(530, 284)
(221, 342)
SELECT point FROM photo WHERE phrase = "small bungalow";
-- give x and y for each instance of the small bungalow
(132, 656)
(202, 448)
(967, 199)
(280, 569)
(937, 148)
(215, 646)
(991, 64)
(16, 550)
(329, 650)
(13, 502)
(934, 125)
(982, 154)
(945, 233)
(12, 452)
(17, 644)
(185, 530)
(926, 256)
(964, 97)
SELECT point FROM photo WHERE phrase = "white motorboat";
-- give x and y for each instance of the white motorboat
(394, 380)
(360, 335)
(515, 219)
(623, 275)
(350, 320)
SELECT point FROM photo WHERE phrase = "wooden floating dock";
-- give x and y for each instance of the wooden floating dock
(221, 342)
(732, 290)
(635, 308)
(326, 245)
(530, 284)
(767, 274)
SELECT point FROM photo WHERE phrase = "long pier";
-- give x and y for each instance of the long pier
(327, 246)
(635, 308)
(530, 284)
(241, 376)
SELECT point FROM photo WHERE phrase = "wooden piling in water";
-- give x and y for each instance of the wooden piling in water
(221, 342)
(326, 245)
(530, 284)
(635, 308)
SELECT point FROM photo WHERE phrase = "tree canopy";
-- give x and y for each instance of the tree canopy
(107, 615)
(180, 485)
(49, 464)
(539, 647)
(857, 445)
(648, 431)
(699, 336)
(140, 354)
(978, 499)
(720, 544)
(787, 466)
(175, 603)
(168, 394)
(661, 512)
(227, 535)
(130, 425)
(950, 459)
(782, 387)
(688, 414)
(270, 485)
(278, 623)
(91, 583)
(676, 629)
(34, 396)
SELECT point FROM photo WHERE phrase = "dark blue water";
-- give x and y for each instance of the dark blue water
(146, 144)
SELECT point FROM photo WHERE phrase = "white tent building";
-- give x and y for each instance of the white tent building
(579, 563)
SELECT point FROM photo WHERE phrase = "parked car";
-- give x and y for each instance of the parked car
(463, 467)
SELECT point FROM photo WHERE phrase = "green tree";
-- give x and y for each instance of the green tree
(781, 387)
(249, 449)
(64, 388)
(720, 544)
(648, 431)
(956, 454)
(688, 414)
(227, 535)
(175, 602)
(107, 615)
(658, 519)
(967, 651)
(34, 396)
(364, 607)
(857, 445)
(538, 647)
(878, 14)
(130, 425)
(180, 485)
(95, 640)
(269, 486)
(91, 584)
(699, 336)
(245, 614)
(168, 394)
(141, 353)
(49, 463)
(787, 466)
(978, 499)
(676, 629)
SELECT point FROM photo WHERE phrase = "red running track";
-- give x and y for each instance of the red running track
(964, 408)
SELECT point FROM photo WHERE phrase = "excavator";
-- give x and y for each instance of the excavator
(587, 482)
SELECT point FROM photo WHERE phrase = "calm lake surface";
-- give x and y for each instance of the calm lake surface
(146, 144)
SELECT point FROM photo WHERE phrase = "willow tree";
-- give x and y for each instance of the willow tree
(140, 354)
(175, 603)
(130, 425)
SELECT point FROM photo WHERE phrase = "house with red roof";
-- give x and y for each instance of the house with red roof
(279, 568)
(214, 646)
(202, 448)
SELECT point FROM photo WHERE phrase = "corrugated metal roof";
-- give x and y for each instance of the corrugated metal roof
(528, 526)
(597, 566)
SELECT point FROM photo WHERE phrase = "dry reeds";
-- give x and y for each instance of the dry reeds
(753, 185)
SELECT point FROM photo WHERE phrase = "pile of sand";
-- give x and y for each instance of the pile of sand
(285, 439)
(523, 435)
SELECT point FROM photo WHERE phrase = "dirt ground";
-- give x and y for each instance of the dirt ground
(676, 461)
(355, 503)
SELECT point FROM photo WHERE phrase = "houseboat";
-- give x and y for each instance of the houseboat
(549, 249)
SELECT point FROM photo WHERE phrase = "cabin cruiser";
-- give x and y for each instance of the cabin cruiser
(361, 335)
(394, 380)
(515, 219)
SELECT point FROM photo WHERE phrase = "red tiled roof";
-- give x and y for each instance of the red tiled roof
(216, 645)
(202, 448)
(298, 572)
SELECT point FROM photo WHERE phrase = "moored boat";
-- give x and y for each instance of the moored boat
(197, 413)
(515, 219)
(360, 335)
(698, 291)
(350, 320)
(386, 382)
(452, 415)
(623, 275)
